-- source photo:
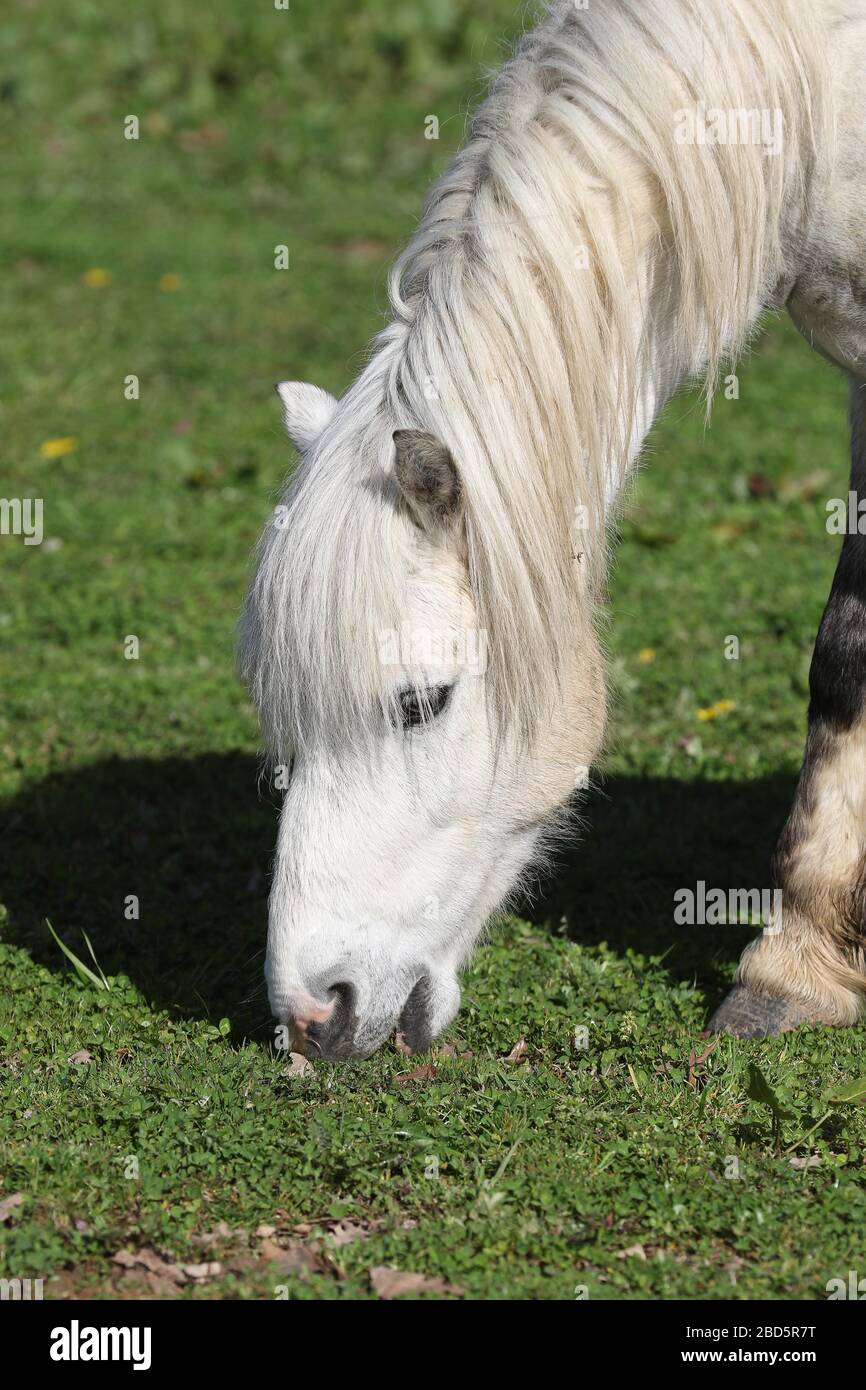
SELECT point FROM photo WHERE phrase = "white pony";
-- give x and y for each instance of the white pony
(645, 178)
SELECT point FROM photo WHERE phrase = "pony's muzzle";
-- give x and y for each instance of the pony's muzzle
(330, 1024)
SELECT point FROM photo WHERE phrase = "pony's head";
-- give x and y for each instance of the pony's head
(413, 802)
(419, 635)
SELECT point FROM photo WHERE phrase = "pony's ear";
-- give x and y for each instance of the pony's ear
(427, 477)
(306, 411)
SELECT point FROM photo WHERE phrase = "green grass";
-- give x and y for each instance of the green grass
(122, 778)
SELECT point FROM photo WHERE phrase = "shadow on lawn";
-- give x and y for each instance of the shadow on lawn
(193, 839)
(644, 838)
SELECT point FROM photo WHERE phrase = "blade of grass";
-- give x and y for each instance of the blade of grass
(105, 983)
(82, 971)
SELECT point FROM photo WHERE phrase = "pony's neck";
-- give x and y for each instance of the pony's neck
(662, 364)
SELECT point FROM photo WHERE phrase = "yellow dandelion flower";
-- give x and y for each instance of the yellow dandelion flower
(646, 656)
(169, 282)
(97, 277)
(713, 711)
(56, 448)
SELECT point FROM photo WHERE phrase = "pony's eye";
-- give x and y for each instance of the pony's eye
(418, 706)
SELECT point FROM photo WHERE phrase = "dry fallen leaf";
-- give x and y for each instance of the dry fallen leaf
(341, 1230)
(80, 1058)
(8, 1205)
(633, 1250)
(424, 1073)
(695, 1061)
(449, 1050)
(208, 1270)
(149, 1259)
(161, 1286)
(300, 1065)
(344, 1232)
(811, 1161)
(221, 1234)
(392, 1283)
(125, 1259)
(518, 1051)
(293, 1258)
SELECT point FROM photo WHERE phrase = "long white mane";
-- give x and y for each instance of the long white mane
(522, 330)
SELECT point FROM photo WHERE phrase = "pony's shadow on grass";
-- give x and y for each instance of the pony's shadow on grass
(192, 840)
(640, 840)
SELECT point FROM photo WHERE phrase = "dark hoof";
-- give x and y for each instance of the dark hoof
(747, 1015)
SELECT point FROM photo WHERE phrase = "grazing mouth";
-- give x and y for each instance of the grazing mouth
(340, 1035)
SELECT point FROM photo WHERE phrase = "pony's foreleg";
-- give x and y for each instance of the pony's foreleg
(808, 967)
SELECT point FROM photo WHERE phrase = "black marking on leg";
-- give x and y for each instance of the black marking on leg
(837, 677)
(837, 688)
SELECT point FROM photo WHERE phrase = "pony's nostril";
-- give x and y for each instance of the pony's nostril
(334, 1036)
(304, 1010)
(344, 996)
